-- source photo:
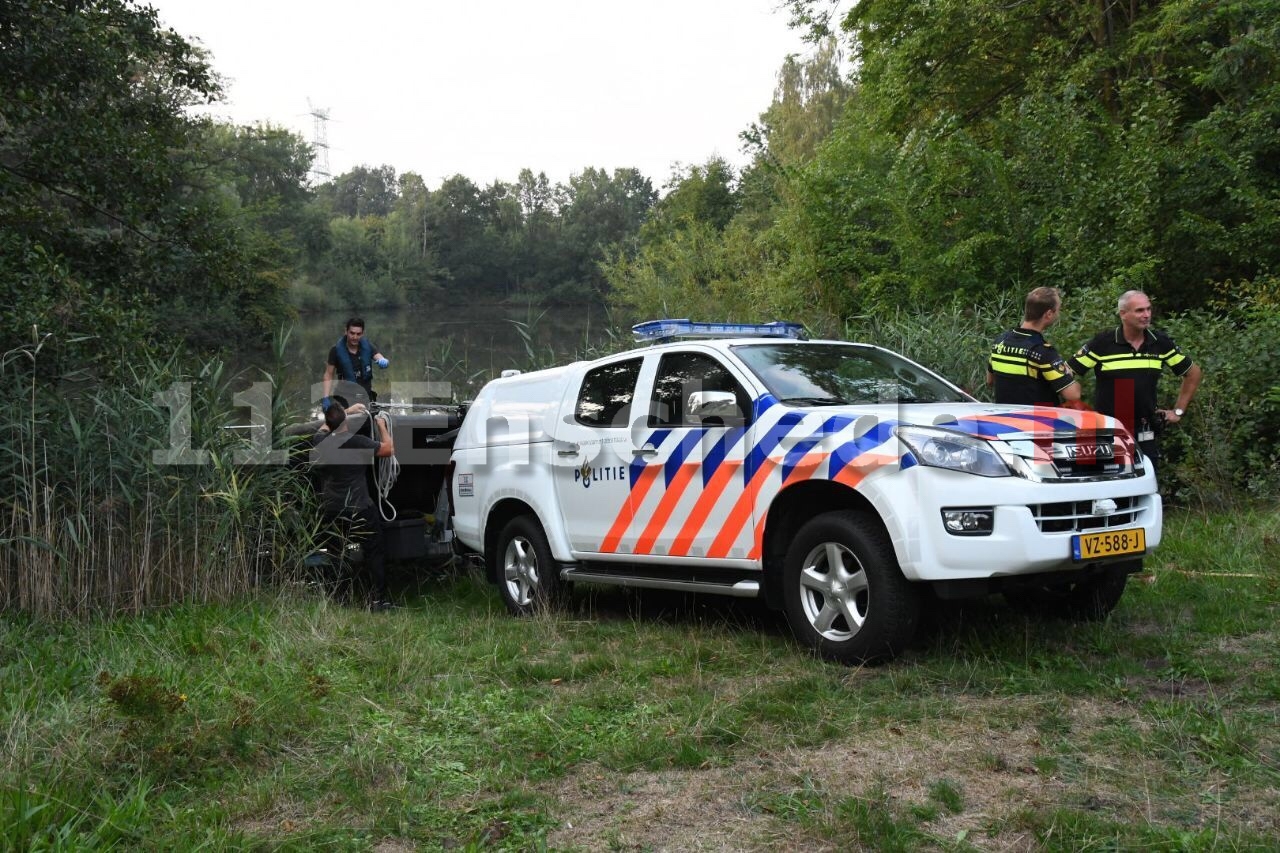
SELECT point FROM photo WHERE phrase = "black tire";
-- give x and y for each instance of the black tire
(844, 595)
(1088, 599)
(528, 577)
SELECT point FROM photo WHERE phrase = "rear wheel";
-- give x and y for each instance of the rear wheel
(1090, 597)
(843, 594)
(528, 577)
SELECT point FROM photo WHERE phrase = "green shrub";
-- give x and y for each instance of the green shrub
(307, 296)
(1228, 445)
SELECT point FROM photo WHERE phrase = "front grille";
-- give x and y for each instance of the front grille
(1077, 456)
(1118, 457)
(1076, 516)
(1070, 469)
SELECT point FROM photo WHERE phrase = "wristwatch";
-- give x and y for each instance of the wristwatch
(1179, 412)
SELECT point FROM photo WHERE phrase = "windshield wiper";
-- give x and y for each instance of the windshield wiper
(815, 401)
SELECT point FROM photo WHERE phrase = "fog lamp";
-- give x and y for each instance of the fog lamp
(970, 521)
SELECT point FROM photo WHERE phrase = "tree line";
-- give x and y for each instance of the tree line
(955, 150)
(389, 240)
(127, 221)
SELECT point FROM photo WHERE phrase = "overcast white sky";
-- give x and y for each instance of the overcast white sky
(488, 87)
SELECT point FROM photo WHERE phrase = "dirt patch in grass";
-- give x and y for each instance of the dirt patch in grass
(668, 810)
(1169, 689)
(999, 772)
(720, 809)
(1255, 648)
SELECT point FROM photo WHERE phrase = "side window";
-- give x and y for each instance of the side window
(682, 373)
(604, 400)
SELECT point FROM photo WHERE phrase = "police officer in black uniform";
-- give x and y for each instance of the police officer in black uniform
(1023, 366)
(1126, 363)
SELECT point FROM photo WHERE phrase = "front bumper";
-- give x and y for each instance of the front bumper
(1033, 522)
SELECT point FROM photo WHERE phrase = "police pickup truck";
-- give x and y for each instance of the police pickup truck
(839, 481)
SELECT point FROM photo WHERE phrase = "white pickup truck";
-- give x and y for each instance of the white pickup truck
(840, 481)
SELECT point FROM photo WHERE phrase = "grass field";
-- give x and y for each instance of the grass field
(657, 722)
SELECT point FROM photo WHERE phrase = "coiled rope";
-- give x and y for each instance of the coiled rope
(386, 469)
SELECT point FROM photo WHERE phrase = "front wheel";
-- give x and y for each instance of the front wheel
(527, 574)
(844, 595)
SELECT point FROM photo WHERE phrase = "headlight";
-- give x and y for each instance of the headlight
(941, 448)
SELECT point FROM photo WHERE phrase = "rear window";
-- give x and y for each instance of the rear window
(604, 399)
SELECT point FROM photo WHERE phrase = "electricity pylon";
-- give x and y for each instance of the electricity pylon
(319, 142)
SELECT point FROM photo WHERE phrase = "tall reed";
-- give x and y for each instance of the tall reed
(102, 515)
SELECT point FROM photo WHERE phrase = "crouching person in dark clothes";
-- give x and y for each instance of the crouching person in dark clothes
(342, 457)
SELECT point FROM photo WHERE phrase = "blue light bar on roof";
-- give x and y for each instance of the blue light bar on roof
(655, 331)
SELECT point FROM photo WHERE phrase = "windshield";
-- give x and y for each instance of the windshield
(838, 374)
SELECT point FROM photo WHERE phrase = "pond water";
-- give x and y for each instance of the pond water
(455, 348)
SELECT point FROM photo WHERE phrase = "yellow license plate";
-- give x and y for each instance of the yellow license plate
(1111, 543)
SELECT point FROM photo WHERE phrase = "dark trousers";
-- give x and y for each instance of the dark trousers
(1151, 450)
(1151, 447)
(365, 526)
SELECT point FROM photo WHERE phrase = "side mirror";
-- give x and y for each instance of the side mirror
(713, 404)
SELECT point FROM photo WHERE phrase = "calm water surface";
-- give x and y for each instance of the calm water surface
(462, 346)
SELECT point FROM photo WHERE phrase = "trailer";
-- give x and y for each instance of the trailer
(410, 488)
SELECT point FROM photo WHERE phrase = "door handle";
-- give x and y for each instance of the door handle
(647, 450)
(570, 449)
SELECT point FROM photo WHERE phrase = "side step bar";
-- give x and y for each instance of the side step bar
(741, 589)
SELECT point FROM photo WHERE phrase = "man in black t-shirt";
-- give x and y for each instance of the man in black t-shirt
(1126, 363)
(342, 458)
(1025, 368)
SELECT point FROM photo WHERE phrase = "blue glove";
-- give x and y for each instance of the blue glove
(383, 363)
(325, 404)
